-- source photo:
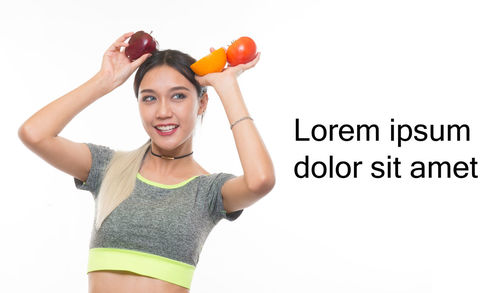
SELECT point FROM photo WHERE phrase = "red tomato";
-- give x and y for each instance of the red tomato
(241, 51)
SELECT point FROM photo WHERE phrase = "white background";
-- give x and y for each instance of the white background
(328, 62)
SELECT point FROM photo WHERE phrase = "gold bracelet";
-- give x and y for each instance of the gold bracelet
(241, 119)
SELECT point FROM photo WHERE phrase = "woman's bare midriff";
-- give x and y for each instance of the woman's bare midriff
(128, 282)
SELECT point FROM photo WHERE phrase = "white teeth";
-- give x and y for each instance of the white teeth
(166, 128)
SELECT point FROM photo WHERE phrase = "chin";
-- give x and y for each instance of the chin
(166, 144)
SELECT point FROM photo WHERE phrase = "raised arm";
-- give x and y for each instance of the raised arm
(40, 132)
(258, 178)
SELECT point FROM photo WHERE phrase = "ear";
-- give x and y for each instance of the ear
(203, 104)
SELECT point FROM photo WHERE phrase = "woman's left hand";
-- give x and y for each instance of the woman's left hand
(227, 74)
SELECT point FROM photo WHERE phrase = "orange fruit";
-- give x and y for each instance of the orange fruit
(213, 62)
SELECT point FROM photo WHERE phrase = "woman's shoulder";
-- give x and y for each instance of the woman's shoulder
(212, 178)
(100, 147)
(99, 151)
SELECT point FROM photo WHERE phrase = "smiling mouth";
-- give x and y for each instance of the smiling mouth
(166, 128)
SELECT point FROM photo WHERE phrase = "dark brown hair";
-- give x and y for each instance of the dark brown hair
(176, 59)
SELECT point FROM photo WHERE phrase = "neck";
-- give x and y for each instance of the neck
(175, 160)
(170, 158)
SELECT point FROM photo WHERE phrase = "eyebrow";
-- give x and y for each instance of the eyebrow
(172, 89)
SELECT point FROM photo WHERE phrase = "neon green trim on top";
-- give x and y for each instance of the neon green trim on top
(142, 263)
(147, 181)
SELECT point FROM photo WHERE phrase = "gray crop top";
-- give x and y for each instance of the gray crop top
(159, 230)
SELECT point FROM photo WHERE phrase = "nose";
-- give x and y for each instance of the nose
(164, 110)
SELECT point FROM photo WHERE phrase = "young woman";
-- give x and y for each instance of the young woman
(155, 205)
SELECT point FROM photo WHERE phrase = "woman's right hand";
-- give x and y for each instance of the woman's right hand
(116, 67)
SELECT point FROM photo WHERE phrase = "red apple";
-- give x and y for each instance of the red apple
(140, 43)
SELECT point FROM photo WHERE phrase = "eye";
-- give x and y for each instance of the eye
(145, 98)
(180, 96)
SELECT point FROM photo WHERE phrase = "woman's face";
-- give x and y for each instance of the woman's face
(167, 100)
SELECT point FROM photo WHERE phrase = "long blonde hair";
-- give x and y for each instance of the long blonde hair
(119, 181)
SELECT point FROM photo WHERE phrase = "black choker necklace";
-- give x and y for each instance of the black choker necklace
(169, 158)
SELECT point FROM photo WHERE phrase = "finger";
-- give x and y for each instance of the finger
(199, 79)
(256, 59)
(125, 36)
(253, 62)
(202, 80)
(136, 63)
(242, 67)
(124, 45)
(120, 40)
(116, 46)
(212, 49)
